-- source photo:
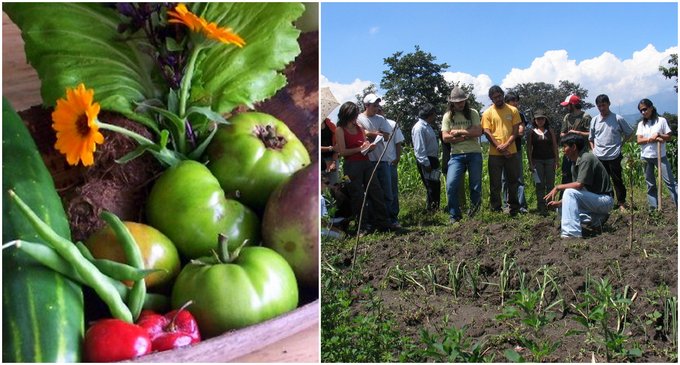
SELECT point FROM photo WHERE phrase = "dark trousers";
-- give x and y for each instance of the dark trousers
(497, 165)
(615, 171)
(359, 173)
(566, 170)
(432, 187)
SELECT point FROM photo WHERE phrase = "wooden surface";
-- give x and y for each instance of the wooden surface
(293, 337)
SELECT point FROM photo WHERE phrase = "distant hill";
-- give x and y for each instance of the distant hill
(664, 102)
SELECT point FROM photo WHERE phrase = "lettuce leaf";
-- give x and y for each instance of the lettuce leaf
(228, 76)
(69, 43)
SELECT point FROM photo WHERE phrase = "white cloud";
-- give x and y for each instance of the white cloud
(481, 82)
(344, 92)
(624, 81)
(374, 30)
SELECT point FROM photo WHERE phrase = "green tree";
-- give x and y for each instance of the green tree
(535, 95)
(410, 81)
(672, 71)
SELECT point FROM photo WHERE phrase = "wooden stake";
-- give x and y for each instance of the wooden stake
(659, 186)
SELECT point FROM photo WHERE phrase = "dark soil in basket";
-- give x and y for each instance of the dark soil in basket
(106, 185)
(532, 242)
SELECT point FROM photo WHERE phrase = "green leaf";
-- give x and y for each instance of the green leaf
(70, 43)
(228, 76)
(513, 356)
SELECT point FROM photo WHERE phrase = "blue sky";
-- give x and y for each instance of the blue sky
(612, 48)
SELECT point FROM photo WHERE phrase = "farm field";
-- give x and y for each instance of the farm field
(502, 289)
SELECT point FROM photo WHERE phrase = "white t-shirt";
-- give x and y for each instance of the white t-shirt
(376, 123)
(660, 126)
(391, 153)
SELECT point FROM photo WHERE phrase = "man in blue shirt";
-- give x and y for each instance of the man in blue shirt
(426, 149)
(608, 132)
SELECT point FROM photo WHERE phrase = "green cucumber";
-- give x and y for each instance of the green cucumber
(42, 311)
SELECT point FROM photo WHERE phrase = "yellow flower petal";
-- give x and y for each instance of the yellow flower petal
(75, 121)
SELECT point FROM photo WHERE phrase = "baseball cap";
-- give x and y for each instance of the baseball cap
(571, 99)
(540, 113)
(371, 99)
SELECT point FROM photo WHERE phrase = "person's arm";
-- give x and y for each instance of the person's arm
(530, 148)
(342, 148)
(419, 147)
(553, 193)
(555, 152)
(397, 148)
(492, 140)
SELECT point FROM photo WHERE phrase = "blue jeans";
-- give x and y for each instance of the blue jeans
(458, 163)
(578, 202)
(394, 209)
(384, 176)
(666, 176)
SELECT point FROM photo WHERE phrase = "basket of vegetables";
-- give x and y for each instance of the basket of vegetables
(161, 203)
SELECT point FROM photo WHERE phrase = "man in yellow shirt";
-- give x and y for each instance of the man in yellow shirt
(500, 123)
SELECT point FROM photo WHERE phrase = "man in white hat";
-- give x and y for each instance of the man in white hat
(393, 153)
(375, 125)
(576, 122)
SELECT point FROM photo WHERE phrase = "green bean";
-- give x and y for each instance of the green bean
(84, 251)
(66, 249)
(135, 300)
(115, 269)
(48, 257)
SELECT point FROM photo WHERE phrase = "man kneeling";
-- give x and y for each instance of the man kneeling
(588, 199)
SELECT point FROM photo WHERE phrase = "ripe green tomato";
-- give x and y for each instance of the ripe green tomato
(252, 155)
(258, 285)
(158, 252)
(187, 204)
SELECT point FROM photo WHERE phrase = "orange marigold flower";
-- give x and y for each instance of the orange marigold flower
(75, 121)
(224, 35)
(182, 15)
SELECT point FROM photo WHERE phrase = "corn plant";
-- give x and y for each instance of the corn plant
(474, 278)
(456, 276)
(670, 319)
(431, 277)
(505, 276)
(602, 305)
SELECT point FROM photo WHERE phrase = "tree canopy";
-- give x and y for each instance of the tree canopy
(672, 71)
(540, 95)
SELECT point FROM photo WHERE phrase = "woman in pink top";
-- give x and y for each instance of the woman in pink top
(350, 142)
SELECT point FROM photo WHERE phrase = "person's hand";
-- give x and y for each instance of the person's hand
(554, 204)
(365, 145)
(332, 166)
(549, 197)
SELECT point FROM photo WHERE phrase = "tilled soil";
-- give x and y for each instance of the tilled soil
(532, 242)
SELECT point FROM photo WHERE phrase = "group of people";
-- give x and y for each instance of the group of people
(592, 175)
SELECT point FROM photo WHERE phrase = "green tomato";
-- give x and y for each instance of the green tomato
(252, 155)
(187, 204)
(255, 286)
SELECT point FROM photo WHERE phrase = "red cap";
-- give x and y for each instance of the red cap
(571, 99)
